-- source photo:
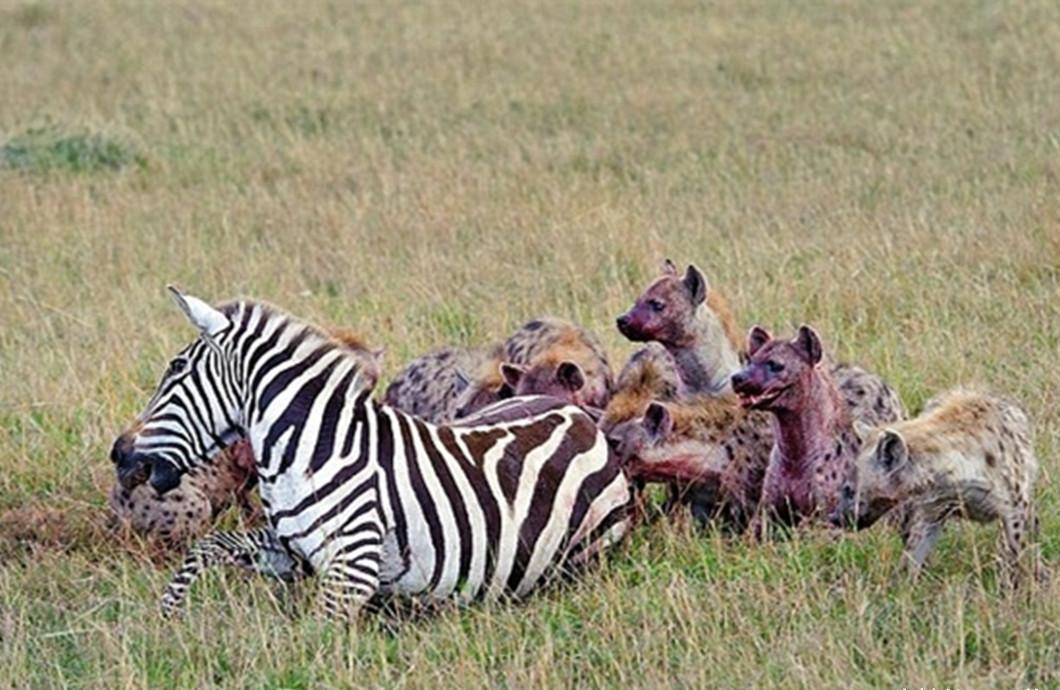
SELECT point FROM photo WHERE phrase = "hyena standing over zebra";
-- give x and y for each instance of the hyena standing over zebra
(368, 498)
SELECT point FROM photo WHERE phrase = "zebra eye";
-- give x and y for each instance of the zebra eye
(176, 366)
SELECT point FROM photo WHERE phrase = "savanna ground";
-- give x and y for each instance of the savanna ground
(438, 172)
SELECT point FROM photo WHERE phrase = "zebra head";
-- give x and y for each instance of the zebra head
(193, 414)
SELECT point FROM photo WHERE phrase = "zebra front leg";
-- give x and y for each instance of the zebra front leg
(257, 550)
(352, 576)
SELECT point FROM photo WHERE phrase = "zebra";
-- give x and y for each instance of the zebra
(365, 497)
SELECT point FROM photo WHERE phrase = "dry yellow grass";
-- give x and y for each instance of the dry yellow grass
(437, 172)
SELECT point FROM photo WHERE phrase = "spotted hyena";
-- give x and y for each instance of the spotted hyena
(548, 356)
(814, 439)
(710, 449)
(188, 511)
(435, 386)
(693, 322)
(649, 375)
(969, 455)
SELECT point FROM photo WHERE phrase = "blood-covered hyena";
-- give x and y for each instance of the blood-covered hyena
(435, 386)
(969, 455)
(188, 511)
(547, 356)
(694, 323)
(710, 449)
(814, 439)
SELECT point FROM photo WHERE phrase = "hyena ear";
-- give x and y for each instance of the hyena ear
(891, 452)
(756, 338)
(512, 374)
(861, 429)
(696, 285)
(669, 268)
(658, 421)
(570, 376)
(809, 343)
(208, 320)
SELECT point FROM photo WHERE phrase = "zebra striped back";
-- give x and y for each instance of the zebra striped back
(374, 500)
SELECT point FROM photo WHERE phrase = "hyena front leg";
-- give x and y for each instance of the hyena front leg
(1017, 530)
(921, 535)
(351, 578)
(257, 550)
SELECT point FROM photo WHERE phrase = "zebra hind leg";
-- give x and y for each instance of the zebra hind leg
(257, 550)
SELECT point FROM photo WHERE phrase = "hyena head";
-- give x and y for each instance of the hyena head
(874, 481)
(666, 310)
(777, 370)
(193, 414)
(560, 378)
(631, 439)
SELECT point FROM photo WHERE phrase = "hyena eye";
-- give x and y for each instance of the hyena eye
(176, 366)
(775, 366)
(656, 305)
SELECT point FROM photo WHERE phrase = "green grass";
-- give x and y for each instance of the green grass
(441, 172)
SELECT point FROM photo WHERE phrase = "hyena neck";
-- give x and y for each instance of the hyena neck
(810, 430)
(708, 359)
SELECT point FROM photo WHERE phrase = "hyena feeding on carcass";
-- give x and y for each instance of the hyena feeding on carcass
(969, 455)
(546, 356)
(709, 450)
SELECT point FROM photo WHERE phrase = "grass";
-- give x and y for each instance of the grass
(440, 172)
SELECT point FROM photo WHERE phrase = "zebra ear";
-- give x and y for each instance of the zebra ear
(208, 320)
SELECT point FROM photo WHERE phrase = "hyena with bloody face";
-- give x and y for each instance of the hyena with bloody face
(548, 356)
(436, 386)
(694, 323)
(814, 439)
(711, 451)
(969, 455)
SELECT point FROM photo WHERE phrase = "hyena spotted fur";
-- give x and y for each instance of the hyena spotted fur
(710, 450)
(694, 323)
(969, 455)
(436, 386)
(547, 356)
(189, 511)
(649, 375)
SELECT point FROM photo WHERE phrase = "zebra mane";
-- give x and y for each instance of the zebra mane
(341, 339)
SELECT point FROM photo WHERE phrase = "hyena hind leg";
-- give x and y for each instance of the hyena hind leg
(257, 550)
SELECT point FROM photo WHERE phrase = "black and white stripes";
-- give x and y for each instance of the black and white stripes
(365, 496)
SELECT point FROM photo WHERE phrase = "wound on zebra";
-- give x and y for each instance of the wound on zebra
(371, 499)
